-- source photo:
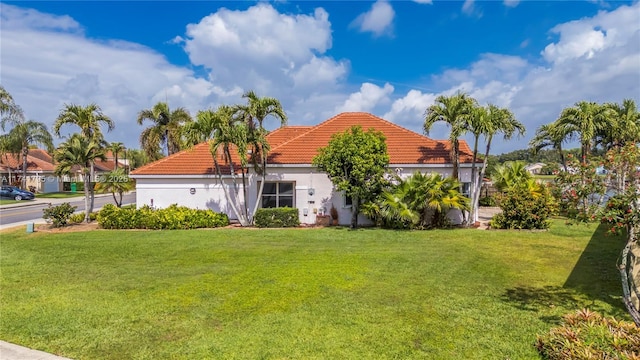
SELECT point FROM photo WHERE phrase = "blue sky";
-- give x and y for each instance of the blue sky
(390, 58)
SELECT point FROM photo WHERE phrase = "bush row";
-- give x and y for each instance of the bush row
(278, 217)
(171, 218)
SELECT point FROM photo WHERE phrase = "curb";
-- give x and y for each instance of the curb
(9, 351)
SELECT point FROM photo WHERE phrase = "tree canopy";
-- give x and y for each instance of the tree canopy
(356, 162)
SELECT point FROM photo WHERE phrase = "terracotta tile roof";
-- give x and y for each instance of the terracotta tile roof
(299, 144)
(37, 160)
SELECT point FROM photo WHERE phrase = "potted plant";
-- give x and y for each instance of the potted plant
(334, 214)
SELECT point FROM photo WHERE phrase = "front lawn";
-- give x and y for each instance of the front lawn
(60, 195)
(301, 293)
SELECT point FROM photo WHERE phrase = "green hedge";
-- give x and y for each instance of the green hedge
(279, 217)
(172, 218)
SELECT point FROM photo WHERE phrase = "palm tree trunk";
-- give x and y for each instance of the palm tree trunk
(355, 209)
(91, 192)
(474, 182)
(226, 193)
(455, 158)
(87, 206)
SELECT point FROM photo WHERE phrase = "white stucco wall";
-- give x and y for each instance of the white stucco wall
(209, 194)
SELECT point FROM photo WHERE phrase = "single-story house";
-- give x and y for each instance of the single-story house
(188, 177)
(41, 171)
(535, 169)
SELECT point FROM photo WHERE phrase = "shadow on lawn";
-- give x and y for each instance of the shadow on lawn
(594, 277)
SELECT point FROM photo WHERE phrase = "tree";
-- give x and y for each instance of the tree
(455, 111)
(624, 124)
(21, 137)
(549, 135)
(79, 151)
(585, 120)
(9, 111)
(488, 122)
(509, 175)
(254, 114)
(89, 119)
(166, 129)
(115, 182)
(116, 148)
(356, 162)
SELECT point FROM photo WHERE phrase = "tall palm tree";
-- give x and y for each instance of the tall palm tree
(166, 129)
(116, 148)
(549, 135)
(80, 151)
(88, 118)
(624, 124)
(488, 122)
(254, 114)
(455, 111)
(584, 120)
(9, 111)
(21, 137)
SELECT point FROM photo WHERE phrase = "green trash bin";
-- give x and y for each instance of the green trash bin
(73, 187)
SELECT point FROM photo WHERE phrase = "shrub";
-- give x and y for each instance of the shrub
(278, 217)
(522, 209)
(58, 215)
(79, 217)
(487, 201)
(171, 218)
(587, 335)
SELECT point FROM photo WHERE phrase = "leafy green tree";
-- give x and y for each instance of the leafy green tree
(166, 129)
(80, 151)
(356, 162)
(116, 148)
(624, 125)
(584, 120)
(9, 111)
(455, 111)
(116, 182)
(20, 138)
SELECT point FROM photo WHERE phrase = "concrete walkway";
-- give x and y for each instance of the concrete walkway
(10, 351)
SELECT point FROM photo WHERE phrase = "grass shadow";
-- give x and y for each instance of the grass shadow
(595, 274)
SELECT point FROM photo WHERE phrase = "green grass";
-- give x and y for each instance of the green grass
(8, 201)
(60, 195)
(301, 294)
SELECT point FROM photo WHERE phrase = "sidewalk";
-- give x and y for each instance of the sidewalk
(45, 201)
(10, 351)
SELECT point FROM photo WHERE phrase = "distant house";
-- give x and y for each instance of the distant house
(41, 171)
(188, 178)
(535, 169)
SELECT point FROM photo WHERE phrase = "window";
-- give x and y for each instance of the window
(348, 201)
(277, 194)
(466, 189)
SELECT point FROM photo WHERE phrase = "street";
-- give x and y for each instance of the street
(32, 210)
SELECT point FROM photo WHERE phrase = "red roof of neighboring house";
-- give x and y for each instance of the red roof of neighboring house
(37, 160)
(299, 144)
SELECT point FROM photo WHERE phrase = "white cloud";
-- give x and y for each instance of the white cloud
(378, 20)
(428, 2)
(469, 8)
(369, 96)
(16, 17)
(511, 3)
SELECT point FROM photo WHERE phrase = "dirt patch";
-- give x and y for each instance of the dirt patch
(69, 228)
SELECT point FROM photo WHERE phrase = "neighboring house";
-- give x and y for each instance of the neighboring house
(188, 178)
(41, 171)
(535, 169)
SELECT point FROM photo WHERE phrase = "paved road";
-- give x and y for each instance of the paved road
(31, 210)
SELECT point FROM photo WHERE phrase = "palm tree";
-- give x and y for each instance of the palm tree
(116, 148)
(586, 119)
(88, 118)
(509, 175)
(625, 124)
(254, 115)
(549, 135)
(488, 122)
(116, 182)
(80, 151)
(455, 111)
(21, 137)
(166, 129)
(9, 111)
